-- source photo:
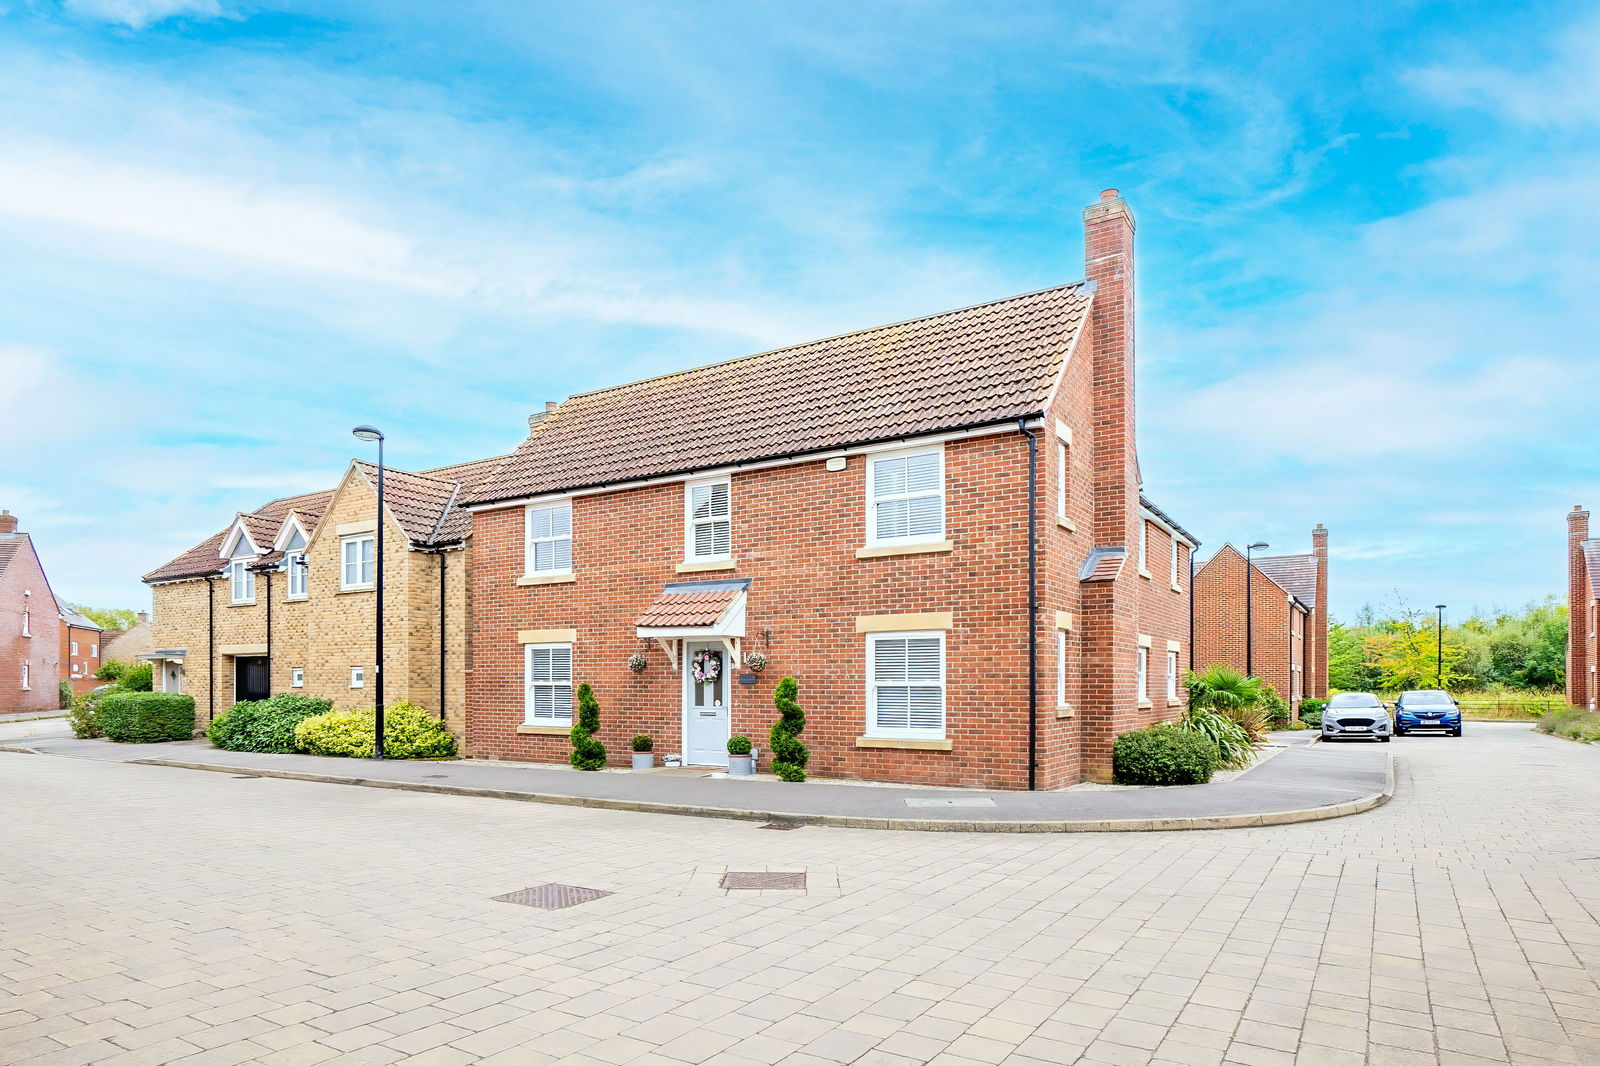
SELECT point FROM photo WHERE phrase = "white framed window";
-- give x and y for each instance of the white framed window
(547, 669)
(357, 555)
(299, 573)
(27, 623)
(1172, 675)
(74, 647)
(549, 547)
(94, 651)
(1144, 546)
(1063, 478)
(241, 581)
(906, 685)
(358, 677)
(297, 677)
(1142, 676)
(26, 676)
(708, 520)
(905, 497)
(1061, 668)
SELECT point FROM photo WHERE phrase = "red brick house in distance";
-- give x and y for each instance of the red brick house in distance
(30, 625)
(1583, 612)
(936, 526)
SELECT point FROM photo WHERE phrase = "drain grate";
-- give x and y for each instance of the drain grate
(780, 825)
(552, 897)
(764, 879)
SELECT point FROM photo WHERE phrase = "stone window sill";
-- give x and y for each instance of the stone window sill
(904, 744)
(545, 730)
(884, 551)
(705, 566)
(1174, 703)
(1145, 704)
(561, 578)
(1177, 588)
(357, 591)
(295, 599)
(1065, 711)
(1066, 523)
(241, 603)
(1144, 574)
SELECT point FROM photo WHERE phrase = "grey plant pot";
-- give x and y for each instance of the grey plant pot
(741, 765)
(644, 760)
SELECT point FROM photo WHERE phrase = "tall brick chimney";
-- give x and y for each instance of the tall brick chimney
(143, 616)
(1579, 680)
(8, 522)
(1319, 617)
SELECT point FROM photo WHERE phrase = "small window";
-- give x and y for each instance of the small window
(548, 670)
(357, 555)
(94, 651)
(299, 573)
(906, 497)
(297, 677)
(1061, 668)
(26, 672)
(905, 685)
(1144, 546)
(27, 624)
(709, 527)
(1063, 477)
(549, 547)
(358, 677)
(1172, 675)
(74, 647)
(1142, 679)
(242, 581)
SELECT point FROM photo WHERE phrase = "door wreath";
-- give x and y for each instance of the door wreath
(707, 665)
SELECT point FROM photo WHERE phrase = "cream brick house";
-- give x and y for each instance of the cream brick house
(283, 599)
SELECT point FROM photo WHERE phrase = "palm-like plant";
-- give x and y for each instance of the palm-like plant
(1225, 691)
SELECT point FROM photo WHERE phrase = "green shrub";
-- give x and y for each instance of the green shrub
(1274, 708)
(587, 752)
(63, 695)
(266, 725)
(409, 732)
(1233, 745)
(738, 744)
(1163, 755)
(1312, 705)
(84, 716)
(788, 754)
(642, 743)
(110, 669)
(142, 717)
(1311, 718)
(137, 678)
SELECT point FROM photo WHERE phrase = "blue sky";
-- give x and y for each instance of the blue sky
(1369, 244)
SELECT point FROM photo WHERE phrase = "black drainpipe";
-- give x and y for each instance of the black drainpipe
(1033, 601)
(1191, 608)
(267, 576)
(211, 648)
(442, 648)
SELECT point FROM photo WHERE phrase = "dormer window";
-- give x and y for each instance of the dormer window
(299, 573)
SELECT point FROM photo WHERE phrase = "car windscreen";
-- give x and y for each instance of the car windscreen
(1427, 699)
(1354, 699)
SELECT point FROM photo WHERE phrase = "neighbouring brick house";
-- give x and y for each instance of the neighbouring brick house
(1287, 643)
(30, 625)
(1583, 612)
(129, 645)
(81, 643)
(863, 511)
(283, 599)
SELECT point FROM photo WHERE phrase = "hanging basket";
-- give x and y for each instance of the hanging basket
(756, 661)
(637, 662)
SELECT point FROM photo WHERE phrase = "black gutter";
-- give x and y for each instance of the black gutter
(442, 649)
(211, 647)
(1033, 601)
(1191, 608)
(268, 576)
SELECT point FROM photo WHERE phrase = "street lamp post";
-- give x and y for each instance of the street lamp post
(368, 433)
(1249, 608)
(1438, 661)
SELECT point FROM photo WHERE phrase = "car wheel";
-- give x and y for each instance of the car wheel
(1455, 732)
(1399, 732)
(1383, 740)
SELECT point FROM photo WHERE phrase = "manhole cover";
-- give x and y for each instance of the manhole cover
(764, 879)
(780, 825)
(551, 897)
(962, 801)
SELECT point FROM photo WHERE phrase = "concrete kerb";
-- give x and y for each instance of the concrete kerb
(1133, 825)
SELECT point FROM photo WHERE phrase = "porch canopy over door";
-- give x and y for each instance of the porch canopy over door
(696, 610)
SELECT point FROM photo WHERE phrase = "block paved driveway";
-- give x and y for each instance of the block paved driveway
(151, 915)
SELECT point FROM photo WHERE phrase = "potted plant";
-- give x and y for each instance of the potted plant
(643, 752)
(740, 762)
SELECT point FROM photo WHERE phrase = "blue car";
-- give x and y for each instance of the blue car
(1428, 708)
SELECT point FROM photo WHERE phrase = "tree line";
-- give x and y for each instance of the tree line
(1398, 648)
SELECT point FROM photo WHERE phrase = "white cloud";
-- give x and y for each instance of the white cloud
(1563, 91)
(137, 14)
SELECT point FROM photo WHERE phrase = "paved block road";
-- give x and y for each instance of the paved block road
(151, 915)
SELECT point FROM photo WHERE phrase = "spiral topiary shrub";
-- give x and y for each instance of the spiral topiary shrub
(266, 725)
(587, 752)
(788, 754)
(146, 717)
(1163, 755)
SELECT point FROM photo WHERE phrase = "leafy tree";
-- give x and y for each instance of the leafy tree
(109, 617)
(1349, 667)
(111, 669)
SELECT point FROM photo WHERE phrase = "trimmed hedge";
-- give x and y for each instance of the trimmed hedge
(145, 717)
(409, 732)
(265, 725)
(1163, 755)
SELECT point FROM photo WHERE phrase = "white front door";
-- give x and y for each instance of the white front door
(707, 723)
(172, 677)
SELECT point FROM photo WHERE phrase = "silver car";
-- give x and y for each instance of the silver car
(1357, 716)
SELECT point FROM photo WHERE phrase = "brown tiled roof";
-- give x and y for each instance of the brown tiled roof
(1591, 561)
(972, 367)
(1295, 574)
(263, 524)
(698, 607)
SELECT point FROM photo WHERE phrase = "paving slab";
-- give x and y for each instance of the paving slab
(1306, 782)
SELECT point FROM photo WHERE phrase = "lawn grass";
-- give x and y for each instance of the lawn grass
(1573, 723)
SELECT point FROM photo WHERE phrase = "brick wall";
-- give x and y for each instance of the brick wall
(78, 669)
(1583, 642)
(1279, 629)
(24, 590)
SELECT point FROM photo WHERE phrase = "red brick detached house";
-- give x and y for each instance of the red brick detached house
(80, 650)
(1583, 612)
(30, 626)
(870, 513)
